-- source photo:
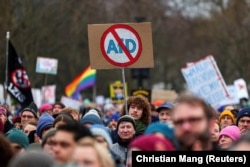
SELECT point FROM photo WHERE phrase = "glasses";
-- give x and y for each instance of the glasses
(27, 116)
(191, 121)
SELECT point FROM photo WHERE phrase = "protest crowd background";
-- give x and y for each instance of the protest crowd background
(84, 116)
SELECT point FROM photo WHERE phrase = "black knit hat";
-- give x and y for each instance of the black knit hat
(126, 118)
(32, 108)
(244, 112)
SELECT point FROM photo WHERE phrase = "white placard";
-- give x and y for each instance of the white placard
(37, 96)
(49, 94)
(68, 102)
(241, 87)
(46, 65)
(205, 80)
(100, 100)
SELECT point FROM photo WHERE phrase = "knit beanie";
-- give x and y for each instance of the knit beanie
(126, 118)
(46, 120)
(231, 131)
(115, 116)
(91, 117)
(228, 113)
(100, 130)
(107, 107)
(92, 111)
(242, 113)
(31, 108)
(45, 107)
(163, 128)
(150, 143)
(17, 136)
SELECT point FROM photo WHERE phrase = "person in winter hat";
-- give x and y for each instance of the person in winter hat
(45, 108)
(226, 118)
(228, 136)
(125, 134)
(19, 140)
(44, 124)
(90, 118)
(109, 110)
(7, 125)
(149, 143)
(29, 114)
(243, 120)
(102, 136)
(162, 129)
(112, 123)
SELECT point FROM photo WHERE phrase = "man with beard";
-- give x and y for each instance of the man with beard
(193, 119)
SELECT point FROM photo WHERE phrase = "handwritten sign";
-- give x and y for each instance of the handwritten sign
(205, 80)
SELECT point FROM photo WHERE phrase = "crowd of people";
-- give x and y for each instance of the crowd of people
(54, 135)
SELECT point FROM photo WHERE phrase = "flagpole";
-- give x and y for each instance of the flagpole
(94, 93)
(124, 90)
(6, 67)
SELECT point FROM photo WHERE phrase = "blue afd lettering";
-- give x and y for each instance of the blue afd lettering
(129, 43)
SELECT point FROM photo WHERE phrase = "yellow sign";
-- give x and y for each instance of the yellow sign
(117, 92)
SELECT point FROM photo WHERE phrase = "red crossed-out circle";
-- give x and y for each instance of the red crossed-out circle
(111, 30)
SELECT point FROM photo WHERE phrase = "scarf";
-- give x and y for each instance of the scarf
(139, 126)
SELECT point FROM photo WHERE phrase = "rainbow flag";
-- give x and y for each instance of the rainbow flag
(83, 81)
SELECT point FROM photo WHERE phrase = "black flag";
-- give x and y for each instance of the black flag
(18, 82)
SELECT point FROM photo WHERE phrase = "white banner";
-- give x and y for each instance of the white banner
(205, 80)
(46, 65)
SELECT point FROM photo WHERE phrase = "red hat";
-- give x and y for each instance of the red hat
(151, 143)
(45, 107)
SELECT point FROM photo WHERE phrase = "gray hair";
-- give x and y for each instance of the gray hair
(32, 158)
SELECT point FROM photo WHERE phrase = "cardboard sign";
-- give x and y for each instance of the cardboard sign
(120, 45)
(205, 80)
(142, 92)
(46, 65)
(165, 95)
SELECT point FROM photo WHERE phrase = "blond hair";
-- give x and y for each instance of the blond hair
(103, 154)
